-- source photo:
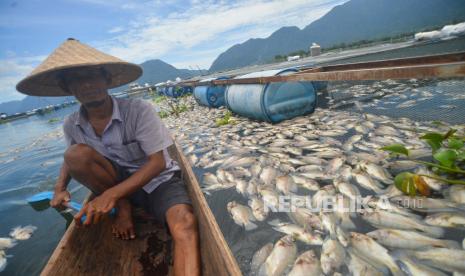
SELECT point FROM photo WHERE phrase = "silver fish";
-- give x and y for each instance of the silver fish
(268, 174)
(306, 264)
(370, 250)
(408, 239)
(443, 258)
(22, 233)
(332, 256)
(6, 243)
(359, 267)
(446, 220)
(283, 254)
(242, 215)
(297, 232)
(260, 256)
(384, 219)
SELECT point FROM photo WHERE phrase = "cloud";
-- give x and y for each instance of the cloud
(12, 70)
(115, 30)
(205, 26)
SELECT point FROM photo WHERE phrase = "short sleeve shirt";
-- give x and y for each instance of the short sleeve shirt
(134, 132)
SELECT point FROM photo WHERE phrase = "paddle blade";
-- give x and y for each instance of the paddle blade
(47, 195)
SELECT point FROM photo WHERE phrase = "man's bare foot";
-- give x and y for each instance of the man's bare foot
(123, 226)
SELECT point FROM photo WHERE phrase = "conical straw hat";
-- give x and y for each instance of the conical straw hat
(72, 54)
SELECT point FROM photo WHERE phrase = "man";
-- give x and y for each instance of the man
(117, 148)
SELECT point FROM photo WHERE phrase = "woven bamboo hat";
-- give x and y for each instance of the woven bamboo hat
(46, 79)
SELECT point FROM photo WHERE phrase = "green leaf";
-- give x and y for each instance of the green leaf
(446, 157)
(450, 133)
(434, 144)
(405, 183)
(433, 136)
(433, 139)
(455, 143)
(396, 148)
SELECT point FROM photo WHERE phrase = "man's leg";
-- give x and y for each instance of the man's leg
(183, 227)
(94, 171)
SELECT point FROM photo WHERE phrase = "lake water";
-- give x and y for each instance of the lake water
(31, 152)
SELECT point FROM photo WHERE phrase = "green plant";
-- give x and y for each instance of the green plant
(448, 162)
(163, 114)
(54, 120)
(159, 99)
(225, 120)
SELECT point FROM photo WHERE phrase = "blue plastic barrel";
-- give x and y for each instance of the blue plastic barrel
(273, 102)
(210, 95)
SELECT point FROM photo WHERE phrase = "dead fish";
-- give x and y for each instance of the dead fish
(242, 215)
(260, 257)
(283, 254)
(359, 267)
(3, 261)
(426, 204)
(6, 243)
(408, 239)
(312, 160)
(377, 172)
(334, 165)
(384, 219)
(241, 186)
(416, 268)
(192, 158)
(367, 182)
(210, 179)
(22, 233)
(346, 188)
(454, 220)
(297, 232)
(332, 256)
(349, 144)
(370, 250)
(268, 174)
(305, 218)
(242, 162)
(456, 193)
(305, 182)
(258, 208)
(443, 258)
(285, 184)
(306, 264)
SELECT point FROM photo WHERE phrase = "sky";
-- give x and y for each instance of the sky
(184, 33)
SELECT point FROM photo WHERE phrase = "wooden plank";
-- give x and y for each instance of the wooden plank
(217, 258)
(94, 251)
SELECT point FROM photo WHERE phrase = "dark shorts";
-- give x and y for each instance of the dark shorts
(157, 202)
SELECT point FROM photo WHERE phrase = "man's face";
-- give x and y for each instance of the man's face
(89, 87)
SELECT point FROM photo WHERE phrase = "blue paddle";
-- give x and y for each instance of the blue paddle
(47, 195)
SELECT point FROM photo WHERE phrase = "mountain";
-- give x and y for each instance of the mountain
(154, 71)
(352, 21)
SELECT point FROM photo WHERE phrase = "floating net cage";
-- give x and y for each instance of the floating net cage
(417, 99)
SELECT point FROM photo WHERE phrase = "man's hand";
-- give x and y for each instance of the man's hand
(96, 208)
(60, 198)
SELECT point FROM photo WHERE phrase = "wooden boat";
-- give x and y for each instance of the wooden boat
(93, 250)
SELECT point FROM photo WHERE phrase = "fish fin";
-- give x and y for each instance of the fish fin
(250, 226)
